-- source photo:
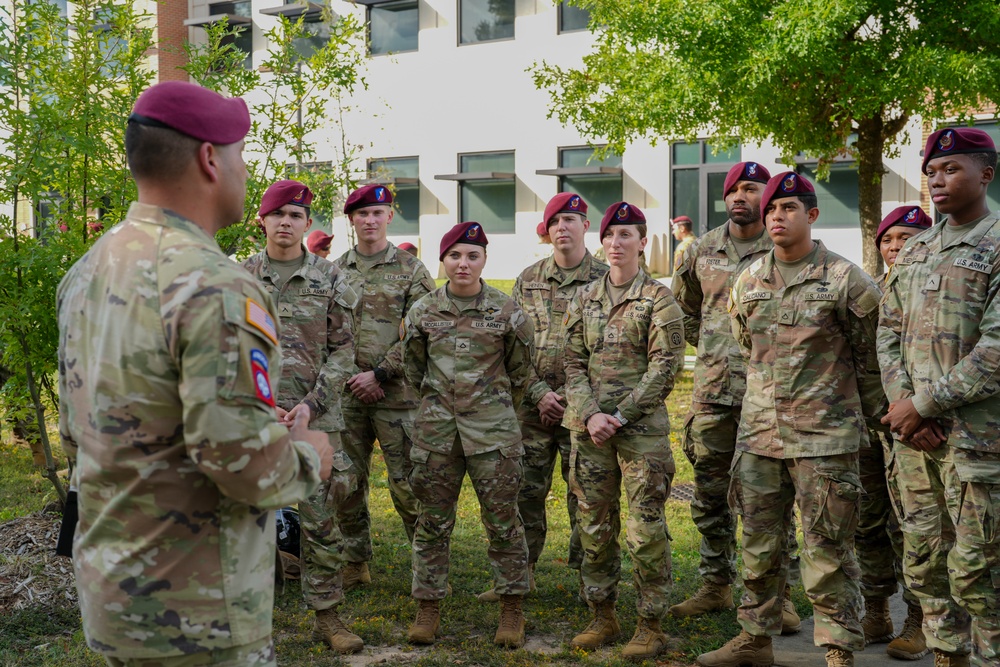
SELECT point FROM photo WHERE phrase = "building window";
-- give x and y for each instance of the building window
(696, 180)
(599, 182)
(315, 24)
(837, 198)
(46, 212)
(993, 193)
(486, 190)
(573, 19)
(237, 15)
(393, 27)
(485, 20)
(404, 175)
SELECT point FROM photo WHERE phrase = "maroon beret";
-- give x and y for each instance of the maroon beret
(784, 185)
(745, 171)
(318, 240)
(906, 216)
(408, 247)
(682, 220)
(564, 201)
(192, 110)
(621, 213)
(284, 192)
(954, 140)
(542, 229)
(369, 195)
(464, 232)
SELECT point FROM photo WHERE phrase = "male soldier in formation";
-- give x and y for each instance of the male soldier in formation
(939, 349)
(314, 305)
(544, 291)
(468, 353)
(805, 319)
(378, 404)
(879, 540)
(165, 353)
(682, 227)
(701, 286)
(318, 242)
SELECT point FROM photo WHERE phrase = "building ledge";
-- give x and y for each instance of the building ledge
(294, 11)
(579, 171)
(478, 176)
(234, 20)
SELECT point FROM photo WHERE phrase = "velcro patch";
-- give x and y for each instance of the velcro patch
(318, 291)
(759, 295)
(716, 263)
(439, 324)
(820, 296)
(261, 381)
(260, 319)
(966, 263)
(396, 276)
(536, 286)
(493, 326)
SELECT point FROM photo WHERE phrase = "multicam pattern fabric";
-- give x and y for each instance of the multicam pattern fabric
(810, 350)
(166, 348)
(471, 367)
(315, 307)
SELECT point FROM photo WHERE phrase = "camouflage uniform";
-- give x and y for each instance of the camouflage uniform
(623, 358)
(681, 248)
(809, 348)
(939, 344)
(166, 408)
(472, 367)
(544, 291)
(701, 286)
(317, 356)
(387, 290)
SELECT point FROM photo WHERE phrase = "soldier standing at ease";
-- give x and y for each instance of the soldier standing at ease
(879, 540)
(701, 286)
(378, 404)
(544, 290)
(805, 319)
(625, 347)
(682, 227)
(939, 348)
(318, 242)
(165, 354)
(468, 349)
(314, 305)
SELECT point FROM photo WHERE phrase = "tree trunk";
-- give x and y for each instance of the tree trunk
(870, 147)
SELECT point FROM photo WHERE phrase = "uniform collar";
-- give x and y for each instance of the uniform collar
(815, 270)
(634, 290)
(166, 218)
(269, 272)
(388, 258)
(552, 271)
(933, 237)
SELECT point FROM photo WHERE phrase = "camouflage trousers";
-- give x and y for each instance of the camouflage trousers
(257, 654)
(950, 506)
(322, 543)
(366, 424)
(878, 541)
(436, 480)
(709, 441)
(827, 491)
(645, 466)
(541, 445)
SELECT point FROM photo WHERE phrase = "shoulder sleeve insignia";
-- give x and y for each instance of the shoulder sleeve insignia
(261, 381)
(260, 319)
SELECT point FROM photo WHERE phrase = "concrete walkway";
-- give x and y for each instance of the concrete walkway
(798, 650)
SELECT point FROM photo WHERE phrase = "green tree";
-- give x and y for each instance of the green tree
(806, 74)
(68, 85)
(296, 99)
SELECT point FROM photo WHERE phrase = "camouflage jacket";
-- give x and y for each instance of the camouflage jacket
(939, 334)
(387, 291)
(165, 347)
(545, 291)
(701, 286)
(681, 249)
(809, 348)
(623, 358)
(471, 369)
(317, 351)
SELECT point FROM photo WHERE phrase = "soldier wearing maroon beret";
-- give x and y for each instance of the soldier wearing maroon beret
(318, 242)
(167, 405)
(378, 404)
(682, 228)
(468, 351)
(939, 350)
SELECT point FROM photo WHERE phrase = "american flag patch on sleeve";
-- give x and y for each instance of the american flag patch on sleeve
(259, 318)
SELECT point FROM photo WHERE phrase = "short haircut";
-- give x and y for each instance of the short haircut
(808, 200)
(985, 159)
(681, 223)
(158, 152)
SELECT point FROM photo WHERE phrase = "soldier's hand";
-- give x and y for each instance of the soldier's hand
(602, 427)
(293, 414)
(903, 419)
(928, 437)
(551, 409)
(319, 441)
(365, 387)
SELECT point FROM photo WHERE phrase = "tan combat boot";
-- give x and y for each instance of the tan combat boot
(943, 659)
(839, 657)
(425, 627)
(331, 630)
(492, 596)
(910, 644)
(510, 629)
(647, 642)
(743, 650)
(604, 629)
(710, 597)
(790, 622)
(356, 574)
(877, 622)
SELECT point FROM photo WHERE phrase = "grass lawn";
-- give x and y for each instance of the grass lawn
(381, 612)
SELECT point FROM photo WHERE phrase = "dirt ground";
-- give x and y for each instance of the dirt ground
(31, 575)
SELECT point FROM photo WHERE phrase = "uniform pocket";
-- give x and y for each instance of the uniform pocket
(837, 508)
(735, 485)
